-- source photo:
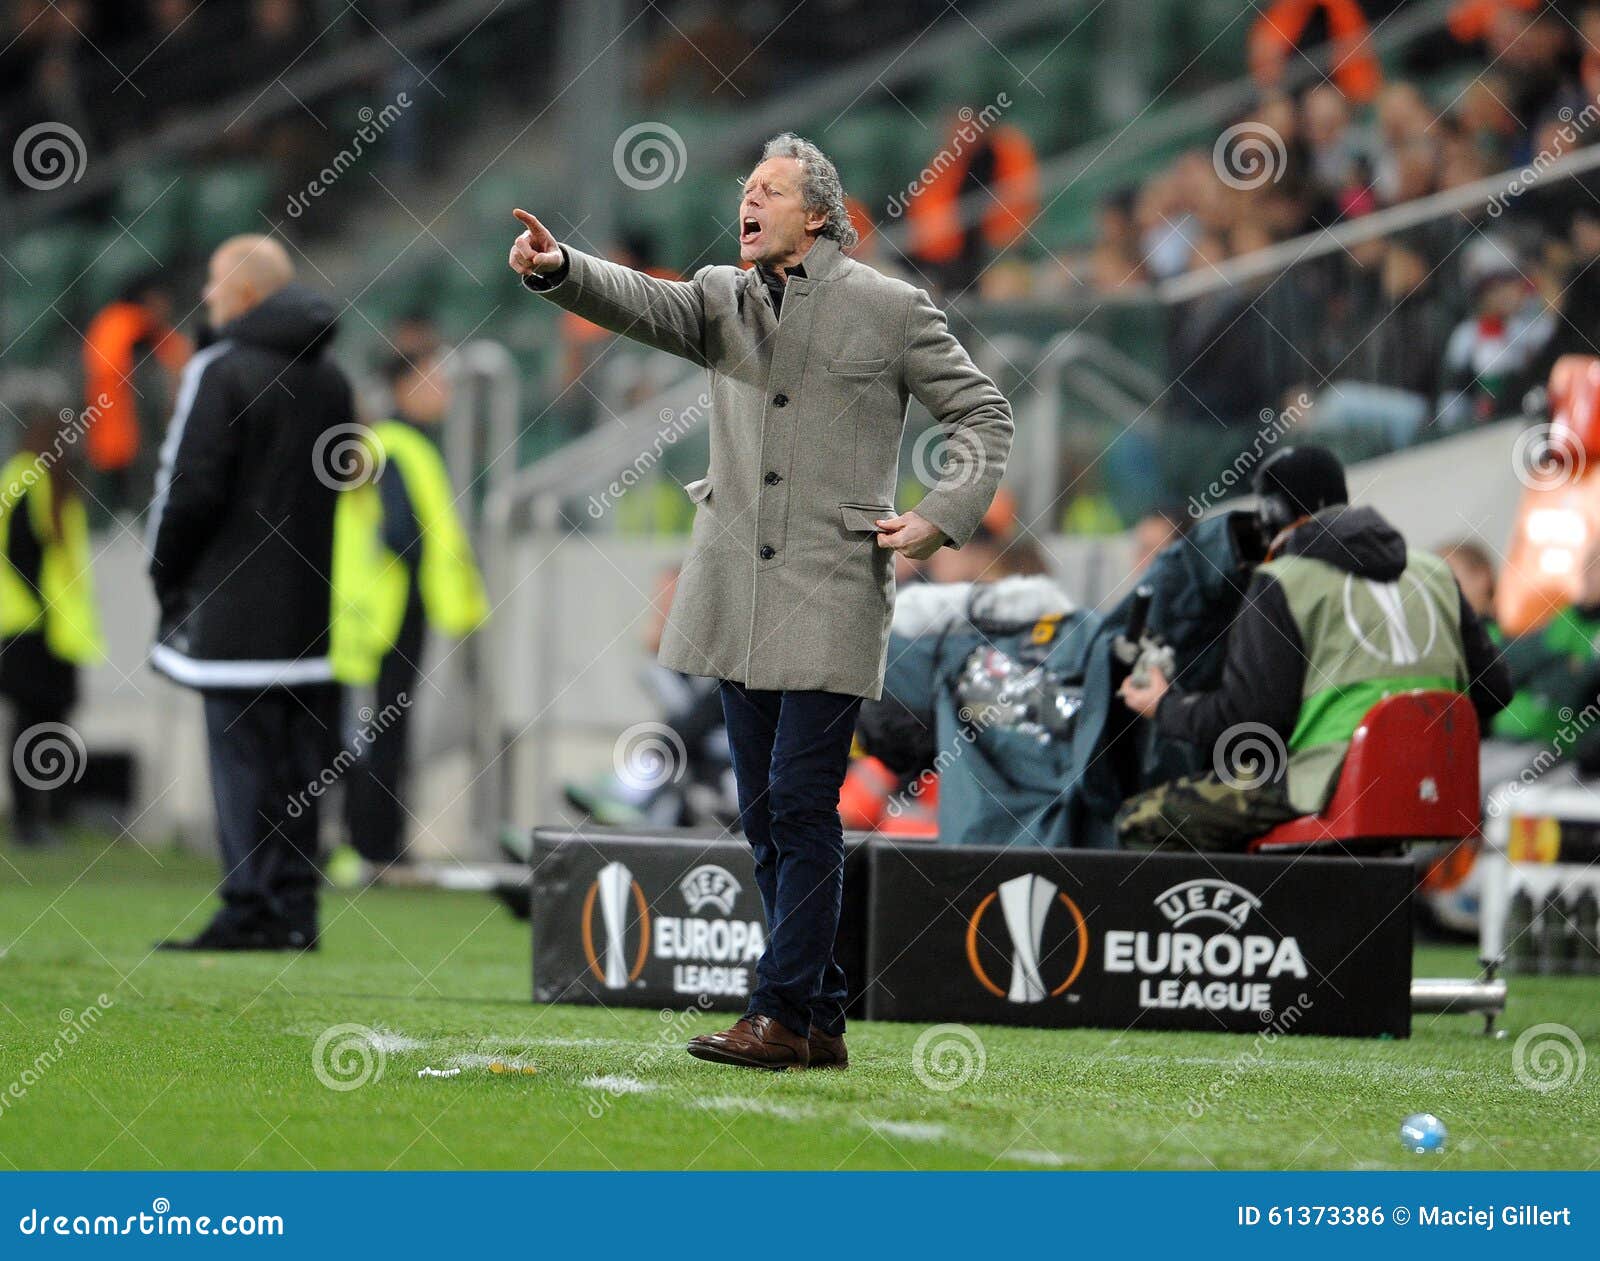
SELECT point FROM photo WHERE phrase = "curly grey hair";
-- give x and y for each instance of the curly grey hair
(820, 187)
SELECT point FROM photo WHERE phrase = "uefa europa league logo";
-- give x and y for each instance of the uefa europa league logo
(1025, 901)
(615, 882)
(1026, 905)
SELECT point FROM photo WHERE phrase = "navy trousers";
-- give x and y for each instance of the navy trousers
(790, 753)
(267, 750)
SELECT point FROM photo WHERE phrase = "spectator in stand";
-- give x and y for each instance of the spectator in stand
(121, 421)
(1116, 261)
(45, 74)
(999, 165)
(1589, 51)
(1403, 116)
(1331, 141)
(1167, 231)
(1534, 49)
(1491, 355)
(1279, 33)
(1482, 118)
(1574, 261)
(1388, 378)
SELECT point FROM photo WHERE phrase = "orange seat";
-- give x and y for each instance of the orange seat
(1411, 775)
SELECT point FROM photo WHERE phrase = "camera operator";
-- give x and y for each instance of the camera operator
(1339, 616)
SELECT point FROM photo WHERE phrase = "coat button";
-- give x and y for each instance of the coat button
(780, 400)
(772, 479)
(767, 553)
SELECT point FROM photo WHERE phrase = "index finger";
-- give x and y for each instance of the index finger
(527, 220)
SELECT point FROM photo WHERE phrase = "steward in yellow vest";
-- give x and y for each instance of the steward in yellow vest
(398, 539)
(402, 563)
(49, 625)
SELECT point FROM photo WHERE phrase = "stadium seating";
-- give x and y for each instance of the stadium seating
(1411, 775)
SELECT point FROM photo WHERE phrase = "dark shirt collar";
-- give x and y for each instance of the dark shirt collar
(775, 282)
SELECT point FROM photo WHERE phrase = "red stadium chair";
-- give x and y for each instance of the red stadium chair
(1411, 775)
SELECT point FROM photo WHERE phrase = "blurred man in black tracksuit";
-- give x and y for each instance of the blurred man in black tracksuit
(241, 541)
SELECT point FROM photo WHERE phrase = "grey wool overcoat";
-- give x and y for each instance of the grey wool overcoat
(785, 587)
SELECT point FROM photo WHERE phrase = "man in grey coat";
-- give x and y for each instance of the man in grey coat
(788, 587)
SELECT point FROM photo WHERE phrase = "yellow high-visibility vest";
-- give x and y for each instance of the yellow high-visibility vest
(371, 584)
(66, 612)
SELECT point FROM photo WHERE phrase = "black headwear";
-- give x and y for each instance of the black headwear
(1296, 482)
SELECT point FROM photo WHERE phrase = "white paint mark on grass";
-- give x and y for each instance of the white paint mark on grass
(617, 1084)
(392, 1043)
(1033, 1156)
(914, 1131)
(762, 1107)
(628, 1042)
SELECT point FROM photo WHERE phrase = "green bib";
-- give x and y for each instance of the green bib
(1363, 640)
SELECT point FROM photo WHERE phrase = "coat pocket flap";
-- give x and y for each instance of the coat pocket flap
(864, 516)
(699, 490)
(857, 367)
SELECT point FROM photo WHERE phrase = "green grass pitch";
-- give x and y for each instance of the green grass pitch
(208, 1062)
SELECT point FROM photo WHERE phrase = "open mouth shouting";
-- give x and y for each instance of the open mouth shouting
(749, 230)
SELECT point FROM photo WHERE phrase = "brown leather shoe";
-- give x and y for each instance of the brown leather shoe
(827, 1049)
(754, 1041)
